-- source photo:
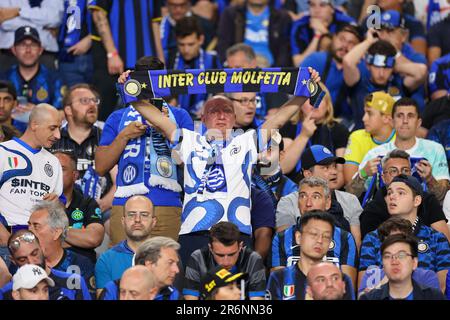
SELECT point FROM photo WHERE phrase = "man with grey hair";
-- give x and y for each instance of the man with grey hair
(29, 172)
(160, 256)
(375, 212)
(138, 283)
(49, 222)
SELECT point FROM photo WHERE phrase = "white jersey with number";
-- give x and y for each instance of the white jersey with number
(26, 175)
(221, 191)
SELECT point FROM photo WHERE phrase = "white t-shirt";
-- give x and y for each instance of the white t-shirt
(26, 175)
(221, 191)
(432, 151)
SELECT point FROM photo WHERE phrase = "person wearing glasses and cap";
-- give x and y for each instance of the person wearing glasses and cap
(25, 249)
(221, 284)
(225, 249)
(31, 282)
(404, 195)
(384, 69)
(399, 255)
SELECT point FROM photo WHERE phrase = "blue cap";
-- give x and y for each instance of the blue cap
(392, 19)
(319, 155)
(411, 182)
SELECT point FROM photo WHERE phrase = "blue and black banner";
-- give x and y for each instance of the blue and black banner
(163, 83)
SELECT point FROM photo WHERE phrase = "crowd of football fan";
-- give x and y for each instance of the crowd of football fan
(163, 199)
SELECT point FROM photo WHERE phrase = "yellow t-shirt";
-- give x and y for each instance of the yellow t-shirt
(359, 143)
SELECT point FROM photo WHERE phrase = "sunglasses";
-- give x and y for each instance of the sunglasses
(27, 237)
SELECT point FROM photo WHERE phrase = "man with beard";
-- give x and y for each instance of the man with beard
(25, 249)
(81, 136)
(329, 65)
(138, 220)
(32, 80)
(325, 282)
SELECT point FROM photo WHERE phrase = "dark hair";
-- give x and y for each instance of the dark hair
(187, 26)
(69, 153)
(353, 29)
(395, 154)
(8, 133)
(315, 215)
(9, 88)
(396, 238)
(148, 63)
(225, 232)
(394, 223)
(382, 47)
(406, 102)
(67, 99)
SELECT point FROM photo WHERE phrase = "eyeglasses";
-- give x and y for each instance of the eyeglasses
(393, 171)
(246, 101)
(316, 235)
(143, 215)
(87, 101)
(27, 237)
(399, 255)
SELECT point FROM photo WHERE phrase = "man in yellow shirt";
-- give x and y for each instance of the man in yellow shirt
(378, 129)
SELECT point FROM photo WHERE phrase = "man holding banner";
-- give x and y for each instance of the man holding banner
(218, 164)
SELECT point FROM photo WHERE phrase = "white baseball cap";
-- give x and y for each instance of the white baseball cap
(29, 275)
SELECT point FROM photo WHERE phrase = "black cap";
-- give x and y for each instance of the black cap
(26, 32)
(217, 278)
(318, 154)
(411, 182)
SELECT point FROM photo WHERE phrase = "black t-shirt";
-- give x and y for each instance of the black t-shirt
(438, 36)
(81, 213)
(375, 212)
(436, 111)
(333, 138)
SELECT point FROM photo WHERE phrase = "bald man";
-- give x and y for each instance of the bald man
(138, 283)
(325, 282)
(29, 172)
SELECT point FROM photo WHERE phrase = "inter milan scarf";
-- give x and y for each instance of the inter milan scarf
(70, 30)
(162, 83)
(147, 153)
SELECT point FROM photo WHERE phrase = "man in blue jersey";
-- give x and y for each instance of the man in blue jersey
(189, 55)
(150, 172)
(384, 69)
(306, 34)
(314, 236)
(403, 199)
(314, 194)
(25, 249)
(34, 83)
(138, 219)
(439, 78)
(160, 256)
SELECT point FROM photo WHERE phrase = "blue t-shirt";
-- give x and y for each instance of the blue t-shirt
(334, 82)
(441, 134)
(159, 196)
(112, 264)
(45, 87)
(439, 77)
(419, 93)
(302, 34)
(257, 34)
(365, 86)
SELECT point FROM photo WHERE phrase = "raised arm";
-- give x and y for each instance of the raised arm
(414, 74)
(354, 56)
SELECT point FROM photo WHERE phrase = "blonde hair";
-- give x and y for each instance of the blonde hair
(329, 120)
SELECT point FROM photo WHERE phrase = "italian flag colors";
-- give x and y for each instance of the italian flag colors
(13, 162)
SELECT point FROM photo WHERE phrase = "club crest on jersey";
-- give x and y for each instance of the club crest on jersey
(77, 215)
(423, 247)
(48, 169)
(288, 291)
(129, 174)
(13, 162)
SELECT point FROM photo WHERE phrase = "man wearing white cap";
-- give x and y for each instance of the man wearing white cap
(31, 282)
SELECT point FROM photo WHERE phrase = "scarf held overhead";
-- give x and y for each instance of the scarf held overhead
(163, 83)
